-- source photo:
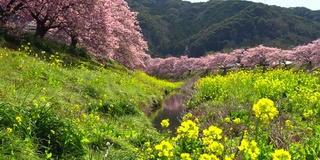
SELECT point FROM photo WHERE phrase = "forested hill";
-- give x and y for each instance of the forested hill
(176, 27)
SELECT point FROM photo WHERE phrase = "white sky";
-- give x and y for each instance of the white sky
(311, 4)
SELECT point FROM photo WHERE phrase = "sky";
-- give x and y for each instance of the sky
(311, 4)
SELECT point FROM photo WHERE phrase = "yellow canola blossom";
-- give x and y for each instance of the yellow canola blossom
(185, 156)
(210, 136)
(19, 119)
(265, 110)
(250, 148)
(308, 113)
(213, 132)
(236, 121)
(208, 157)
(215, 147)
(9, 130)
(281, 154)
(165, 149)
(187, 129)
(165, 123)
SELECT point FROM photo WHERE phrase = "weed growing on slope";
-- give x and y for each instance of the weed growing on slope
(51, 109)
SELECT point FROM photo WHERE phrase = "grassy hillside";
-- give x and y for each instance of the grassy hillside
(175, 27)
(50, 108)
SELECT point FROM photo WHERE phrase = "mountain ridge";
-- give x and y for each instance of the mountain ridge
(175, 27)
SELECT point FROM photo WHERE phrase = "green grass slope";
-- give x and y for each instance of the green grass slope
(52, 110)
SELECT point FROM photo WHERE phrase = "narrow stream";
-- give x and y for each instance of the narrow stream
(171, 109)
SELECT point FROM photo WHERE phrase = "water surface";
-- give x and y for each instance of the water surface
(171, 109)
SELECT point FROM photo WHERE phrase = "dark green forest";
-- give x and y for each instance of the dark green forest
(176, 27)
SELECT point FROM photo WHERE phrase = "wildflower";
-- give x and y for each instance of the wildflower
(215, 147)
(213, 132)
(9, 130)
(97, 118)
(309, 113)
(36, 104)
(149, 150)
(227, 119)
(289, 124)
(52, 131)
(281, 154)
(187, 116)
(243, 145)
(147, 144)
(250, 148)
(196, 120)
(84, 116)
(237, 121)
(265, 110)
(188, 129)
(165, 123)
(208, 157)
(43, 99)
(229, 157)
(185, 156)
(19, 119)
(165, 149)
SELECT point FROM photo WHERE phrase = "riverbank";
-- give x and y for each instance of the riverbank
(53, 109)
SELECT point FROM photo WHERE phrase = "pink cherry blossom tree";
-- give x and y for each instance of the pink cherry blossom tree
(105, 28)
(259, 56)
(308, 54)
(48, 14)
(9, 8)
(222, 61)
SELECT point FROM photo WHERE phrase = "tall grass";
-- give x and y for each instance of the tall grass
(50, 108)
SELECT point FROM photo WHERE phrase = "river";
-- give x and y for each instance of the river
(171, 109)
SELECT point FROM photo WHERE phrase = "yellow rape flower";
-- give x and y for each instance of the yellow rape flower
(97, 118)
(210, 135)
(236, 121)
(229, 157)
(19, 119)
(250, 148)
(215, 147)
(281, 154)
(165, 149)
(185, 156)
(9, 130)
(43, 99)
(227, 119)
(187, 116)
(243, 145)
(289, 124)
(213, 132)
(208, 157)
(308, 114)
(188, 129)
(265, 110)
(147, 144)
(165, 123)
(149, 150)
